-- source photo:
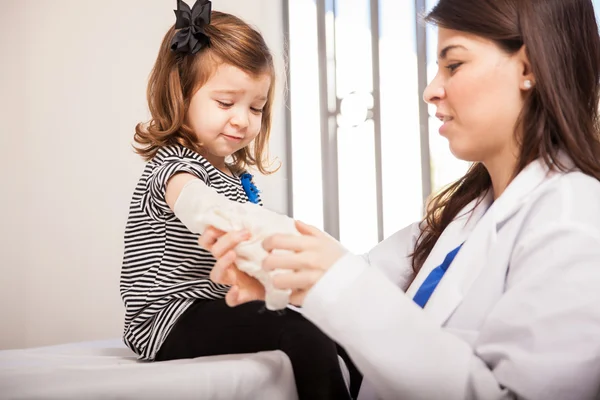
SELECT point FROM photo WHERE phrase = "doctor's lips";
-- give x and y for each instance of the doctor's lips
(444, 118)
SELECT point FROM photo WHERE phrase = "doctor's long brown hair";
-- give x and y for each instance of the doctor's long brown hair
(561, 111)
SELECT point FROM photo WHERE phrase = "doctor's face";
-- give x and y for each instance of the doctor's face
(478, 95)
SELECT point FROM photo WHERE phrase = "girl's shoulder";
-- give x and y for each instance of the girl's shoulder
(174, 152)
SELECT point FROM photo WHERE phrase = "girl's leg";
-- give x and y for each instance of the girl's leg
(210, 327)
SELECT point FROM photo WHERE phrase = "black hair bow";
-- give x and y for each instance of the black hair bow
(191, 22)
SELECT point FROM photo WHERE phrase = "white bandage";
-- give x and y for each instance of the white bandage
(198, 206)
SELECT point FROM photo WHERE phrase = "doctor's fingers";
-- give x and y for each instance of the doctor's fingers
(297, 280)
(228, 242)
(310, 230)
(304, 260)
(289, 242)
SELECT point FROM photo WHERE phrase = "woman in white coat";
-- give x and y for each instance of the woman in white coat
(496, 293)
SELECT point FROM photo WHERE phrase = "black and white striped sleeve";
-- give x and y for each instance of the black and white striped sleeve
(153, 202)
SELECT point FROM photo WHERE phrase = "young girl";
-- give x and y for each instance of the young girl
(210, 95)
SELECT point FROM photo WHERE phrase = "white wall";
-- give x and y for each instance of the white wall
(73, 82)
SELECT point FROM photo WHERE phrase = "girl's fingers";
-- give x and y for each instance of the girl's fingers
(297, 297)
(232, 297)
(239, 295)
(250, 293)
(219, 272)
(209, 237)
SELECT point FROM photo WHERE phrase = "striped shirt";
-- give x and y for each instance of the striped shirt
(164, 269)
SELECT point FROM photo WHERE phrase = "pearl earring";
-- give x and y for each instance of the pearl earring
(527, 84)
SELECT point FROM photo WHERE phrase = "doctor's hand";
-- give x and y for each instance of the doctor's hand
(244, 288)
(309, 256)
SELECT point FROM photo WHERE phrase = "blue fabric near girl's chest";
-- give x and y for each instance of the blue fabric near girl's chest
(249, 187)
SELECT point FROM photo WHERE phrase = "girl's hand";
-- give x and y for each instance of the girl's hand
(311, 255)
(243, 287)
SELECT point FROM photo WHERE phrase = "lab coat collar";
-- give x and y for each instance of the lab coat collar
(476, 226)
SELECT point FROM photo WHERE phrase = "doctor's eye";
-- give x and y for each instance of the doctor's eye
(452, 67)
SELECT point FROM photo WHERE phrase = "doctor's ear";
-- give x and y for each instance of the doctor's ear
(526, 79)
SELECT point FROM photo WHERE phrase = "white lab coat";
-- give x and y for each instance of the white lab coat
(517, 314)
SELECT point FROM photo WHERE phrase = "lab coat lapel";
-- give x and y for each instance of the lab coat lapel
(464, 269)
(478, 231)
(469, 224)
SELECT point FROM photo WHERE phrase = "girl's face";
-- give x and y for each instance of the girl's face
(478, 92)
(226, 112)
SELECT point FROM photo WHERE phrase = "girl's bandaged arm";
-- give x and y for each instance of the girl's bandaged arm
(198, 206)
(190, 199)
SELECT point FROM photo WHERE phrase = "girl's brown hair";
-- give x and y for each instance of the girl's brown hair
(560, 113)
(175, 78)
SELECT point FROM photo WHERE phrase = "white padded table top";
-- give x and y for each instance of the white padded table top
(109, 370)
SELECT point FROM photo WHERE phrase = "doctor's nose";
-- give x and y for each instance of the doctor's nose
(434, 92)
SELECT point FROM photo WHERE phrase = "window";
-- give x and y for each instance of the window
(354, 112)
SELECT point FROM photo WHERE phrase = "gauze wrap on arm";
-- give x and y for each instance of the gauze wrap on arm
(199, 206)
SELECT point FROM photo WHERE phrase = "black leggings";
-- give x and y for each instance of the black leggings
(210, 327)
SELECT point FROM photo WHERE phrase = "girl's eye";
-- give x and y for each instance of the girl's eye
(256, 110)
(223, 104)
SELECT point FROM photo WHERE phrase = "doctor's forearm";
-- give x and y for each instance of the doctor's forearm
(397, 348)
